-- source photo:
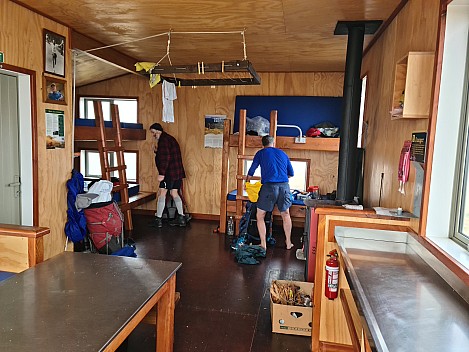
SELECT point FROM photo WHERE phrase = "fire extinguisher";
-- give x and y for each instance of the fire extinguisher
(332, 275)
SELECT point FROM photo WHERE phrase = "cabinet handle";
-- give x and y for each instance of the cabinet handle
(14, 184)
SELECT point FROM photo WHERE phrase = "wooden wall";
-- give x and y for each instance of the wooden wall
(21, 40)
(203, 166)
(414, 29)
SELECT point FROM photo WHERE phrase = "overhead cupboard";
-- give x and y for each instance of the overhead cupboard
(413, 86)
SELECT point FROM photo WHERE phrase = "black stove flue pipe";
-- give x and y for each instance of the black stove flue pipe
(348, 154)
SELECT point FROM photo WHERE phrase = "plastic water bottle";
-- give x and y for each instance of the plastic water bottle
(230, 228)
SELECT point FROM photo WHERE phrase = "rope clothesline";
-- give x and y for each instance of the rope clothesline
(169, 33)
(234, 67)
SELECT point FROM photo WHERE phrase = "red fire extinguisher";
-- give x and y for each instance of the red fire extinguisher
(332, 275)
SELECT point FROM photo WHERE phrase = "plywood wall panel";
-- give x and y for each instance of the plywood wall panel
(414, 29)
(21, 39)
(203, 165)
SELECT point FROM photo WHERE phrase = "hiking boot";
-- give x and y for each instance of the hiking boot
(180, 220)
(158, 222)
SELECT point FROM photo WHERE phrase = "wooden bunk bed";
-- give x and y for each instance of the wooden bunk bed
(109, 138)
(86, 130)
(235, 207)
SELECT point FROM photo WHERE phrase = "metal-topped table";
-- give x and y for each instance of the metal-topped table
(406, 304)
(86, 302)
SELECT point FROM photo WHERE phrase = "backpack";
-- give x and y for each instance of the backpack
(104, 222)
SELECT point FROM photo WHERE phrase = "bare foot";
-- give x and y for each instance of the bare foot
(290, 246)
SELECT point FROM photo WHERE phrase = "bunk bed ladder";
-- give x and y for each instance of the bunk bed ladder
(105, 149)
(240, 176)
(225, 169)
(240, 172)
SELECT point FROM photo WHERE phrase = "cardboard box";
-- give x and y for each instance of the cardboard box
(293, 320)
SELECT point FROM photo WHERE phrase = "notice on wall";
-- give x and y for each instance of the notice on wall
(55, 131)
(214, 131)
(419, 146)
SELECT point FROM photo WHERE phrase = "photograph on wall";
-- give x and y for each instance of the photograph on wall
(54, 53)
(55, 131)
(213, 136)
(54, 90)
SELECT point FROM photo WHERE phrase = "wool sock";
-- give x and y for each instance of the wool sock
(160, 206)
(178, 203)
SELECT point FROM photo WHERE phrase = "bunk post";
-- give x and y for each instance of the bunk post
(123, 186)
(273, 124)
(240, 170)
(99, 120)
(225, 168)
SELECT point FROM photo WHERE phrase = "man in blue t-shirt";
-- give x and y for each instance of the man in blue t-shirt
(276, 168)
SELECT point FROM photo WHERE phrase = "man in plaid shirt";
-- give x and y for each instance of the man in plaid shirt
(168, 161)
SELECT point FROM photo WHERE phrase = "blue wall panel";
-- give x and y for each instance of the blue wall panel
(304, 112)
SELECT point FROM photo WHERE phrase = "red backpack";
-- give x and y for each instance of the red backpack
(104, 222)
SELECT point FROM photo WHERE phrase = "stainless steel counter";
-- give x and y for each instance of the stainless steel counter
(405, 302)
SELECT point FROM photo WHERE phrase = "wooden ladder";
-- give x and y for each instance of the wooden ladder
(105, 149)
(241, 174)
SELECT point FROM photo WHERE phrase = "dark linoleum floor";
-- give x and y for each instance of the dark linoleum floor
(224, 306)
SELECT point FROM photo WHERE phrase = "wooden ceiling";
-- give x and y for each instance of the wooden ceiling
(281, 35)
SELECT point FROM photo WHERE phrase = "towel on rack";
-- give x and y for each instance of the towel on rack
(169, 94)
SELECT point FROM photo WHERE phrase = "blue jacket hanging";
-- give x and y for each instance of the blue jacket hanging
(75, 227)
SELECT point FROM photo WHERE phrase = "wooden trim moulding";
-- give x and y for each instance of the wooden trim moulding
(334, 347)
(23, 231)
(385, 25)
(433, 118)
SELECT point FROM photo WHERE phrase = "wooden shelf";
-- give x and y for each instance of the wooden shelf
(319, 144)
(413, 77)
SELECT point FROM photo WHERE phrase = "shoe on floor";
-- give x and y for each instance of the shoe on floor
(158, 222)
(180, 220)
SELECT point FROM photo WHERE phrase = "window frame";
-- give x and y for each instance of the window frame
(115, 173)
(308, 167)
(462, 168)
(106, 98)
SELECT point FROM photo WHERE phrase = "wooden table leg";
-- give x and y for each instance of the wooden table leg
(165, 318)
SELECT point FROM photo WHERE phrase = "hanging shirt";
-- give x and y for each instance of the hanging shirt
(169, 94)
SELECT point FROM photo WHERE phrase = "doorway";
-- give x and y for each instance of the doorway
(17, 148)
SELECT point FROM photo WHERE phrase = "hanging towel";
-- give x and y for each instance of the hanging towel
(169, 94)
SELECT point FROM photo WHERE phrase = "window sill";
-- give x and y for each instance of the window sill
(455, 251)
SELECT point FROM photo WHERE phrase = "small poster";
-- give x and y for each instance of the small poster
(55, 131)
(214, 131)
(418, 148)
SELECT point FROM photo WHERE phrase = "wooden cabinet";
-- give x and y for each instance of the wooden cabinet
(412, 86)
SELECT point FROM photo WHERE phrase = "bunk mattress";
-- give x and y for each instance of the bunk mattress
(92, 123)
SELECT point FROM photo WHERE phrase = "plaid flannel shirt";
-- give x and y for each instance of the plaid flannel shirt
(168, 158)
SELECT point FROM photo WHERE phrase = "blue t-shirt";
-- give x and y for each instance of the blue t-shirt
(275, 165)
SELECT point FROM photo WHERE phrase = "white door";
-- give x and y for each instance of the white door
(10, 183)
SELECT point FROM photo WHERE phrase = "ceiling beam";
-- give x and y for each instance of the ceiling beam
(109, 55)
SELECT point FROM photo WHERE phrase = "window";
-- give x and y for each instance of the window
(127, 108)
(362, 136)
(91, 165)
(461, 220)
(300, 169)
(448, 203)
